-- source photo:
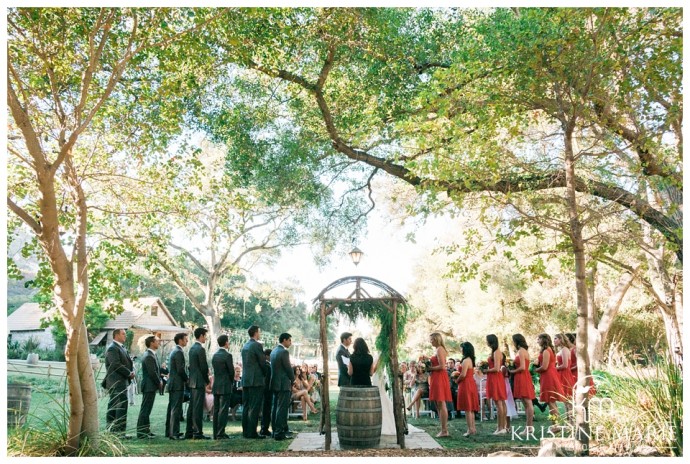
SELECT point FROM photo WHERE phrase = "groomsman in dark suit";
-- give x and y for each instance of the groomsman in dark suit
(268, 398)
(198, 379)
(253, 382)
(151, 384)
(282, 376)
(223, 372)
(343, 352)
(119, 372)
(176, 383)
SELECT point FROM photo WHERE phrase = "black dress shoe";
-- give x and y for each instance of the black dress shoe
(260, 437)
(177, 438)
(201, 437)
(265, 433)
(279, 437)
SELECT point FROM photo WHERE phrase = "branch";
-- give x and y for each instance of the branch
(191, 257)
(326, 69)
(25, 216)
(21, 118)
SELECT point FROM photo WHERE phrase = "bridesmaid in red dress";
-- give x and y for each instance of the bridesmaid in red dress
(495, 385)
(573, 365)
(549, 383)
(523, 388)
(563, 346)
(439, 383)
(573, 357)
(468, 396)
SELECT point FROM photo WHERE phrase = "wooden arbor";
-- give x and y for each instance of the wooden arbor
(389, 300)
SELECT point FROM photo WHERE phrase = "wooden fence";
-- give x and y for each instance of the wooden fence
(48, 369)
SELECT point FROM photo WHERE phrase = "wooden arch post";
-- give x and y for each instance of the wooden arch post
(390, 301)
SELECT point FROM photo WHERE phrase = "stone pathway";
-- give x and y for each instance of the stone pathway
(416, 439)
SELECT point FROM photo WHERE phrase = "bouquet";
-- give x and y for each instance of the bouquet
(426, 362)
(484, 366)
(510, 365)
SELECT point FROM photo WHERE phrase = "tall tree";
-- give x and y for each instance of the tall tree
(401, 90)
(80, 82)
(208, 234)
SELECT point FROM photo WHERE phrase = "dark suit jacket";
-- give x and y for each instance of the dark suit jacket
(254, 365)
(150, 372)
(118, 367)
(343, 378)
(223, 372)
(198, 367)
(282, 374)
(178, 370)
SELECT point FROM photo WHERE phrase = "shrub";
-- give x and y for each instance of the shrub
(646, 408)
(49, 437)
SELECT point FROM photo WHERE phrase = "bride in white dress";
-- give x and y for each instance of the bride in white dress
(388, 423)
(388, 419)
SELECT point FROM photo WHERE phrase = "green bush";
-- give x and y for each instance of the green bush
(645, 408)
(46, 435)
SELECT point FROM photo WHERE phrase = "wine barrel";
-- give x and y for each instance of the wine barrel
(18, 402)
(358, 417)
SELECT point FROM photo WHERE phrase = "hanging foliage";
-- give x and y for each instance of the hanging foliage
(378, 312)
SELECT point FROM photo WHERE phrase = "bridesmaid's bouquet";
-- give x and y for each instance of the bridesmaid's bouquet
(483, 366)
(426, 362)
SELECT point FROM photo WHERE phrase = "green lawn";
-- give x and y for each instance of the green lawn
(48, 399)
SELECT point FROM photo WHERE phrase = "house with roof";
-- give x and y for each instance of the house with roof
(25, 323)
(142, 316)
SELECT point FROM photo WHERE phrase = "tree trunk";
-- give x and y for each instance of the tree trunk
(582, 432)
(80, 380)
(599, 331)
(214, 328)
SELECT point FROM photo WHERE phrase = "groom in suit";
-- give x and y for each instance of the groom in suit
(119, 372)
(343, 352)
(224, 372)
(151, 384)
(282, 376)
(254, 369)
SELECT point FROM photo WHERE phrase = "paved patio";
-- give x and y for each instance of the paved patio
(416, 439)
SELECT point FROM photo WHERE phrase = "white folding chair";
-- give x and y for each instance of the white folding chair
(484, 400)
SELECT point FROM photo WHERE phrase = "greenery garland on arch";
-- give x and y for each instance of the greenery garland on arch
(377, 311)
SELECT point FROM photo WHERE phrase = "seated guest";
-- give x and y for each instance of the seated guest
(421, 388)
(236, 398)
(300, 392)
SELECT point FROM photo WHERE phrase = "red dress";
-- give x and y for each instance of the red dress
(523, 388)
(573, 371)
(439, 383)
(573, 364)
(549, 383)
(566, 377)
(468, 397)
(495, 385)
